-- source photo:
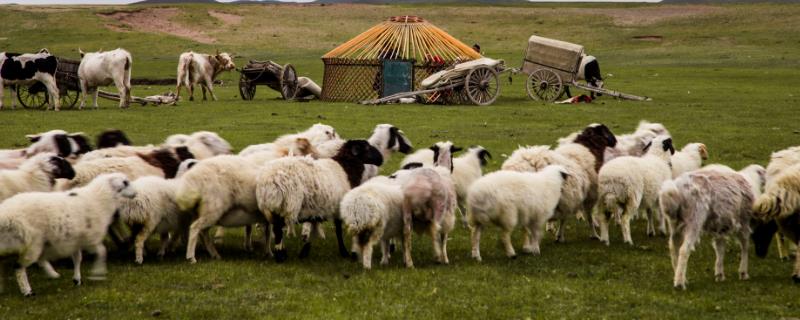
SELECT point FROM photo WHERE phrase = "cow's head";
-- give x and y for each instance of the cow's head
(225, 61)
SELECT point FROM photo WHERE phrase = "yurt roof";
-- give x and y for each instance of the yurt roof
(404, 37)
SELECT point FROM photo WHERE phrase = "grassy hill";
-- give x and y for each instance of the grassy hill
(721, 75)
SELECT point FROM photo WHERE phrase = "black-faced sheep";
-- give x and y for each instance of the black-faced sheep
(35, 174)
(295, 189)
(779, 205)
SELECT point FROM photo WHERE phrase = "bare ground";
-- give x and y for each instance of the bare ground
(648, 15)
(226, 18)
(156, 20)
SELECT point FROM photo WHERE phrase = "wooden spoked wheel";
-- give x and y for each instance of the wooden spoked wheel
(69, 98)
(544, 85)
(482, 85)
(33, 96)
(247, 89)
(288, 82)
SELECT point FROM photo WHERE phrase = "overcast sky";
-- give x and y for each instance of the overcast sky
(129, 1)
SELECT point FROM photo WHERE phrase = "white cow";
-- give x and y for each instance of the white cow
(26, 69)
(103, 68)
(198, 68)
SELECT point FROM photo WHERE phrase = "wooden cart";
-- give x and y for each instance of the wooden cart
(551, 65)
(34, 96)
(279, 78)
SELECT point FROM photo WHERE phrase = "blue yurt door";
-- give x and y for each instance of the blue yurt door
(398, 76)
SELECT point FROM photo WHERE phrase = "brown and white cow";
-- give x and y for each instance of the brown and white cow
(198, 68)
(26, 69)
(104, 68)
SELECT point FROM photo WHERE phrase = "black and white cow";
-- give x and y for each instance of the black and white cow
(26, 69)
(589, 70)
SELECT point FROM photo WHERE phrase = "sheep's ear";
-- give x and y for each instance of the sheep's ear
(412, 165)
(434, 148)
(667, 144)
(483, 155)
(564, 174)
(703, 152)
(454, 149)
(75, 134)
(34, 137)
(647, 147)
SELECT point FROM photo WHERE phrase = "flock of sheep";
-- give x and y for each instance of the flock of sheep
(59, 197)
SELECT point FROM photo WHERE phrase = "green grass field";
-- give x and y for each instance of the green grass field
(722, 75)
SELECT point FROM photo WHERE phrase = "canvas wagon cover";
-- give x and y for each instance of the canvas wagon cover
(553, 53)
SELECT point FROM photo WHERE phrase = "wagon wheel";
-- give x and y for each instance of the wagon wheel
(33, 96)
(544, 85)
(482, 85)
(69, 98)
(247, 89)
(288, 82)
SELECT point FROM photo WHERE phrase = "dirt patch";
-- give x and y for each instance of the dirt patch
(226, 18)
(648, 15)
(155, 20)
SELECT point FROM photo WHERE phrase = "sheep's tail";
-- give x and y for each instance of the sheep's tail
(281, 193)
(670, 199)
(187, 197)
(612, 203)
(361, 215)
(768, 205)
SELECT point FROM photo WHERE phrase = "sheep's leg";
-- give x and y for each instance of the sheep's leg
(209, 244)
(651, 229)
(560, 232)
(77, 257)
(445, 259)
(98, 271)
(475, 236)
(796, 275)
(719, 264)
(779, 240)
(277, 228)
(166, 241)
(267, 240)
(191, 243)
(141, 237)
(744, 244)
(536, 230)
(674, 239)
(435, 239)
(602, 218)
(48, 269)
(339, 236)
(527, 245)
(219, 235)
(248, 237)
(407, 223)
(625, 224)
(385, 252)
(662, 224)
(366, 256)
(22, 280)
(507, 245)
(308, 233)
(689, 237)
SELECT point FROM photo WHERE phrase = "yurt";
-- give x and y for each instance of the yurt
(391, 57)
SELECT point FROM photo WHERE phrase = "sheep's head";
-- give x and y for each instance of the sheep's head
(303, 147)
(60, 168)
(482, 154)
(80, 143)
(112, 138)
(319, 133)
(213, 141)
(660, 145)
(359, 151)
(762, 235)
(56, 141)
(119, 184)
(185, 166)
(398, 141)
(183, 153)
(602, 130)
(443, 154)
(657, 128)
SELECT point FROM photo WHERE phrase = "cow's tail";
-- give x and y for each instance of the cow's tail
(128, 66)
(188, 68)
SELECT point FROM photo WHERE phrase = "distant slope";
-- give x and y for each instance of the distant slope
(174, 1)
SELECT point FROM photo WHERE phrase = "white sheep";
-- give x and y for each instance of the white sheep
(781, 160)
(388, 139)
(60, 142)
(316, 134)
(510, 198)
(429, 202)
(160, 162)
(38, 173)
(219, 191)
(713, 201)
(576, 188)
(207, 144)
(689, 158)
(117, 152)
(633, 144)
(630, 184)
(754, 174)
(294, 189)
(373, 212)
(42, 226)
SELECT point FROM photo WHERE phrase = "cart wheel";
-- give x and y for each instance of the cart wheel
(482, 85)
(544, 85)
(69, 98)
(247, 90)
(288, 82)
(33, 96)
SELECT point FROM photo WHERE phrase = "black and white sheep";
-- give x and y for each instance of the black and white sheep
(510, 198)
(294, 189)
(38, 173)
(713, 201)
(629, 184)
(41, 226)
(779, 205)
